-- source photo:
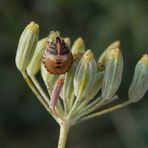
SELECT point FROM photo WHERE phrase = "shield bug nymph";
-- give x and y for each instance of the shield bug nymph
(57, 58)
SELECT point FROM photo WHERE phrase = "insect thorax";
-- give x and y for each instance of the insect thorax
(58, 47)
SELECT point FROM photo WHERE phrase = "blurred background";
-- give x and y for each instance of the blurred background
(24, 123)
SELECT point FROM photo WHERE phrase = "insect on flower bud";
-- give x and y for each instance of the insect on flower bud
(85, 75)
(139, 85)
(102, 59)
(36, 60)
(78, 48)
(113, 73)
(26, 46)
(57, 58)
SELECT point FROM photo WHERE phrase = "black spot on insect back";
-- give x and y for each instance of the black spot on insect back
(65, 50)
(52, 51)
(58, 47)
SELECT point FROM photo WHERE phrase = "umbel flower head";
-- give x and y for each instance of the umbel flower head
(78, 86)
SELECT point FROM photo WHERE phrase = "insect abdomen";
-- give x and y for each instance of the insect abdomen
(58, 65)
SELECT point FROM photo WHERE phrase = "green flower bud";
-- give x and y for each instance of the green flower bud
(139, 85)
(26, 46)
(49, 79)
(53, 35)
(36, 60)
(97, 86)
(78, 48)
(67, 40)
(68, 87)
(113, 73)
(102, 59)
(85, 75)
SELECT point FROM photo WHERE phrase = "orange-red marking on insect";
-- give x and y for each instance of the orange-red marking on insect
(56, 92)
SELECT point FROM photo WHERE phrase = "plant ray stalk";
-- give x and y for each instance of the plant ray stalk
(36, 83)
(84, 106)
(105, 111)
(33, 87)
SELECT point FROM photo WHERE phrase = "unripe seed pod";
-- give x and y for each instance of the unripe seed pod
(26, 46)
(102, 59)
(85, 75)
(53, 35)
(78, 48)
(68, 87)
(139, 85)
(113, 74)
(36, 60)
(97, 86)
(67, 40)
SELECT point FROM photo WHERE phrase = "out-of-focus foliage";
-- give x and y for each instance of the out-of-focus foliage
(23, 121)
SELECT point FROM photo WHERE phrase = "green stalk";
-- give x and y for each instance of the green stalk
(105, 111)
(64, 129)
(73, 109)
(88, 107)
(85, 106)
(34, 80)
(35, 91)
(31, 83)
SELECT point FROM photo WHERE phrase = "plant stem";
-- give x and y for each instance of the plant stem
(33, 84)
(34, 80)
(104, 111)
(64, 129)
(35, 91)
(85, 107)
